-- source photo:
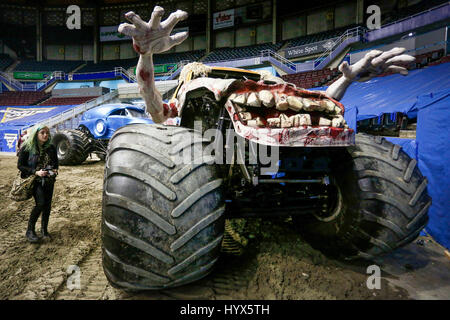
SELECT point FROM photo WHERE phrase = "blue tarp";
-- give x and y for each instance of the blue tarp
(395, 93)
(425, 94)
(433, 139)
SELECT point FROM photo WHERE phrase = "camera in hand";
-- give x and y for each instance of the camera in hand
(49, 170)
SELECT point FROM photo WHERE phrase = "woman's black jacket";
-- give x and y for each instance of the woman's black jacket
(27, 164)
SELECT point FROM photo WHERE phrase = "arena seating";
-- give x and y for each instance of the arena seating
(107, 65)
(22, 98)
(178, 56)
(47, 65)
(402, 13)
(221, 54)
(325, 77)
(441, 60)
(5, 61)
(167, 58)
(317, 37)
(312, 79)
(60, 101)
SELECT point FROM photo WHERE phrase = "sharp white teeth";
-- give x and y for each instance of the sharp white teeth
(295, 119)
(266, 98)
(238, 108)
(245, 116)
(281, 102)
(252, 123)
(327, 105)
(324, 122)
(305, 119)
(259, 122)
(338, 122)
(310, 105)
(274, 122)
(295, 103)
(239, 98)
(286, 122)
(337, 110)
(232, 96)
(253, 100)
(255, 123)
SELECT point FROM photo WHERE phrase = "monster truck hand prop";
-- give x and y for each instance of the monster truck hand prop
(374, 63)
(149, 38)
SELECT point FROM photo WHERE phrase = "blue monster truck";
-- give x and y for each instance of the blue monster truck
(96, 128)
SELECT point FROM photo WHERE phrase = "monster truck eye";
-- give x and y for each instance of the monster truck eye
(100, 127)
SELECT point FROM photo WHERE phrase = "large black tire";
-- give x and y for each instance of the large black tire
(383, 206)
(71, 146)
(162, 221)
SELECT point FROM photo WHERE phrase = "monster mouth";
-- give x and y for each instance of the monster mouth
(284, 106)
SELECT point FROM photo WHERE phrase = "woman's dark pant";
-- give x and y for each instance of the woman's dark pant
(43, 198)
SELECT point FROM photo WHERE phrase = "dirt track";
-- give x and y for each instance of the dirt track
(274, 262)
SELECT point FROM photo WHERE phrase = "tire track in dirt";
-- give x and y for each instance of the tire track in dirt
(12, 228)
(93, 281)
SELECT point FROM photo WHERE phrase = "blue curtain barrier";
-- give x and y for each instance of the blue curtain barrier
(423, 94)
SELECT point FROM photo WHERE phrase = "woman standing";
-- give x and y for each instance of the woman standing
(38, 156)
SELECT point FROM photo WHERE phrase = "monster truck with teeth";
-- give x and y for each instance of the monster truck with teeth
(352, 196)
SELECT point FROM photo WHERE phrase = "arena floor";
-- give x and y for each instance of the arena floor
(266, 259)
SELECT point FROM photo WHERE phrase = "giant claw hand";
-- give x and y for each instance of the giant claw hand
(154, 36)
(377, 62)
(374, 63)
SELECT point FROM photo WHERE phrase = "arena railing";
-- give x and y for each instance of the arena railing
(74, 112)
(19, 86)
(172, 73)
(353, 33)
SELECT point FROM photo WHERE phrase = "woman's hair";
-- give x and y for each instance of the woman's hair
(31, 144)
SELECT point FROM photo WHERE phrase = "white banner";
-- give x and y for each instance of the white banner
(223, 19)
(110, 33)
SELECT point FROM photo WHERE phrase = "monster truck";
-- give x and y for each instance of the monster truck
(94, 131)
(352, 196)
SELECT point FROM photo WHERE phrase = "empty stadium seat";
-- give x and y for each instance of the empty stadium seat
(317, 37)
(22, 98)
(59, 101)
(167, 58)
(221, 54)
(47, 65)
(5, 61)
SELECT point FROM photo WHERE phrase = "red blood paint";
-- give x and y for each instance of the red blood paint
(137, 48)
(145, 75)
(165, 109)
(335, 132)
(173, 110)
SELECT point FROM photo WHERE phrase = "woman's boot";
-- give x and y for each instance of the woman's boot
(31, 234)
(44, 224)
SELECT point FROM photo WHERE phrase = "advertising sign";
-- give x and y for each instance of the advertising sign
(29, 75)
(223, 19)
(28, 115)
(309, 49)
(110, 33)
(8, 140)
